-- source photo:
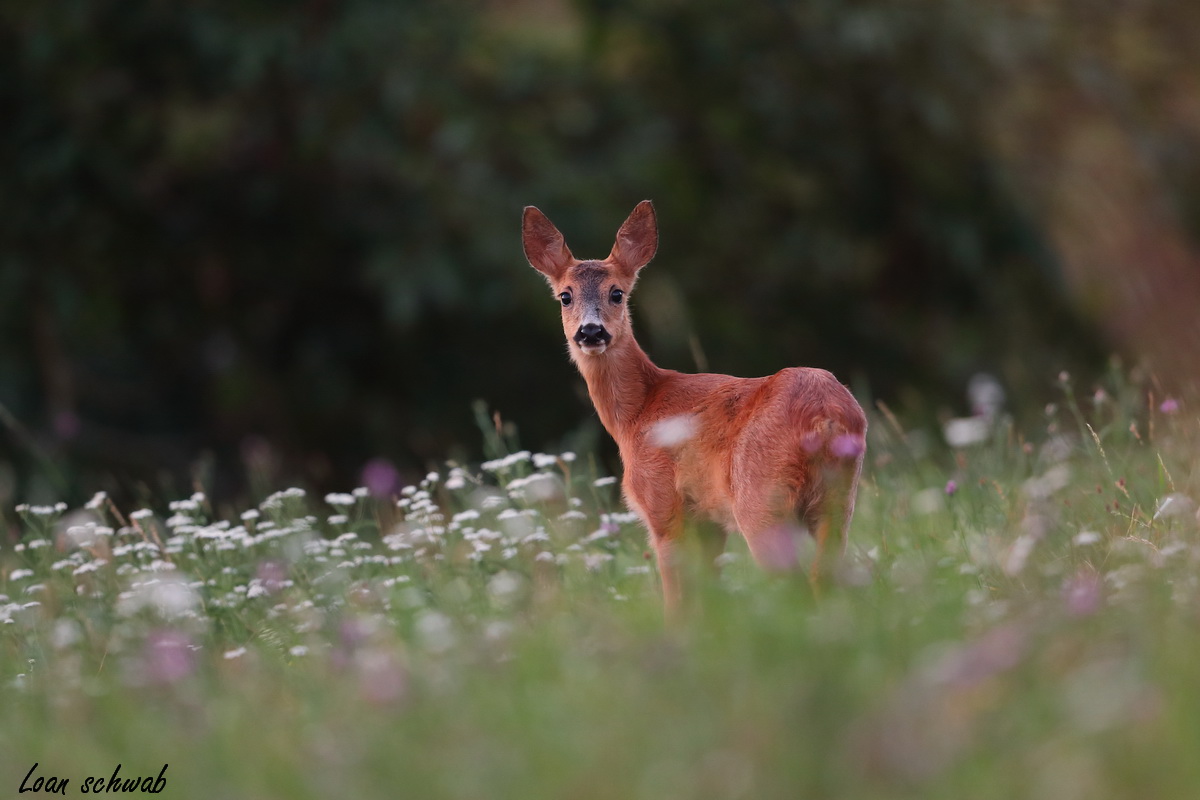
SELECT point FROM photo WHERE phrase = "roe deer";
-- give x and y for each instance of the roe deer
(756, 455)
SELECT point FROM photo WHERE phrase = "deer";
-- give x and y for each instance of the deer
(775, 458)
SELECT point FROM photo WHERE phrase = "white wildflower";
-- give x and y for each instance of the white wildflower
(1051, 482)
(966, 431)
(1019, 554)
(169, 594)
(1175, 506)
(673, 431)
(436, 631)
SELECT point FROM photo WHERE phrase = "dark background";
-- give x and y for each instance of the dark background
(281, 239)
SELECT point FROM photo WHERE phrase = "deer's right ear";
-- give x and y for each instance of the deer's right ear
(544, 245)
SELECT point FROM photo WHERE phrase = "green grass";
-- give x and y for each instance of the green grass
(1033, 633)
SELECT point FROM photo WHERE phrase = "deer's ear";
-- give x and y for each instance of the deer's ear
(544, 245)
(637, 240)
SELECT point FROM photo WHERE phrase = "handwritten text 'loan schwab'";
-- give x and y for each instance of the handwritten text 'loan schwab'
(57, 785)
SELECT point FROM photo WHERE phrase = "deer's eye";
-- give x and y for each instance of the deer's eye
(615, 295)
(565, 297)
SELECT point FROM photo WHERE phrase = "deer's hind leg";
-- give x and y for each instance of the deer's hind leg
(833, 510)
(772, 532)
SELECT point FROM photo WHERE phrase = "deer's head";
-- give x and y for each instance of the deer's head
(593, 294)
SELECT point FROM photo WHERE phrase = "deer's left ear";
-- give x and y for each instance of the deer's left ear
(637, 240)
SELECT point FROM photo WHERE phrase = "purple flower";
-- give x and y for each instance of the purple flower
(1169, 406)
(382, 678)
(951, 486)
(847, 446)
(1082, 593)
(381, 477)
(272, 574)
(168, 656)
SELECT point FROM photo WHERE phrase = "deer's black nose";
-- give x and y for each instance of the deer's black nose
(592, 334)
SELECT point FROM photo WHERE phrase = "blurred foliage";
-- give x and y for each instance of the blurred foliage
(288, 234)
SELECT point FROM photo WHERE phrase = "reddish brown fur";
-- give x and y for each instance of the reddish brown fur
(762, 452)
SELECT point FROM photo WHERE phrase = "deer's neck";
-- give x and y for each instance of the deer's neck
(619, 382)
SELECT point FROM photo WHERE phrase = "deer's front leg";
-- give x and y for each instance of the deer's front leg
(654, 497)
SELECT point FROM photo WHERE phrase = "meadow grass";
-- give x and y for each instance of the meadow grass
(1015, 617)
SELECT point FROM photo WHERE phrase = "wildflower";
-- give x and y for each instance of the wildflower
(299, 651)
(847, 446)
(504, 586)
(1083, 593)
(1052, 481)
(96, 502)
(951, 487)
(607, 480)
(1018, 554)
(338, 519)
(541, 460)
(168, 657)
(340, 499)
(673, 431)
(1169, 406)
(65, 633)
(986, 395)
(382, 678)
(168, 594)
(966, 431)
(272, 575)
(436, 631)
(235, 653)
(1174, 506)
